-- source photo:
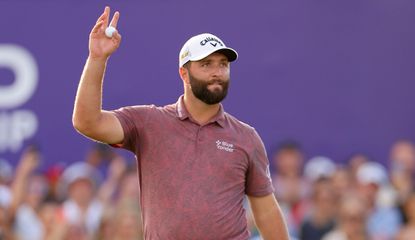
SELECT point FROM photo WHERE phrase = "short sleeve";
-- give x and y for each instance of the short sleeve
(133, 119)
(258, 182)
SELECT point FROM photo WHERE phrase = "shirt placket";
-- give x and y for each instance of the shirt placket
(198, 141)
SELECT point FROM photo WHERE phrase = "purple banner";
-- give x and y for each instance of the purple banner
(338, 76)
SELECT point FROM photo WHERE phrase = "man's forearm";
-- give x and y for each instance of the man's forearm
(88, 102)
(269, 218)
(272, 226)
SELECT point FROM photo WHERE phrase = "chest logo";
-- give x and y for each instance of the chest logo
(225, 146)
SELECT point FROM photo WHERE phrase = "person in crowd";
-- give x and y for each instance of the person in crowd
(123, 222)
(29, 190)
(321, 205)
(289, 184)
(383, 219)
(6, 173)
(407, 232)
(343, 181)
(351, 219)
(82, 210)
(354, 162)
(402, 156)
(402, 169)
(28, 222)
(116, 170)
(100, 156)
(6, 231)
(119, 187)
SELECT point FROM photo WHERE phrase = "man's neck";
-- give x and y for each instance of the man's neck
(200, 111)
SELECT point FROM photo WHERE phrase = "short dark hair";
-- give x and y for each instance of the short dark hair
(289, 144)
(187, 65)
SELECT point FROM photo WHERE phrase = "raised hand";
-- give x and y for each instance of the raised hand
(28, 162)
(117, 168)
(101, 46)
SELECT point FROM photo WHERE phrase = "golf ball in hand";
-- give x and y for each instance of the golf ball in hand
(109, 31)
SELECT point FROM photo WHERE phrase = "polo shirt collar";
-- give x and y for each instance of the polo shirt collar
(183, 114)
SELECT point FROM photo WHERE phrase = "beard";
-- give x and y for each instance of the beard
(201, 91)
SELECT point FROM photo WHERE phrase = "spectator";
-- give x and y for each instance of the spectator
(124, 180)
(351, 224)
(53, 175)
(28, 223)
(319, 167)
(343, 182)
(402, 168)
(402, 155)
(383, 221)
(5, 229)
(290, 187)
(82, 211)
(116, 171)
(354, 162)
(99, 156)
(29, 191)
(53, 226)
(407, 232)
(128, 189)
(6, 172)
(123, 222)
(321, 216)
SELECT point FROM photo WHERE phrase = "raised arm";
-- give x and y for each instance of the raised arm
(88, 117)
(27, 164)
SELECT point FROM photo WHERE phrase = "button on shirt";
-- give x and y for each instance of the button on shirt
(193, 178)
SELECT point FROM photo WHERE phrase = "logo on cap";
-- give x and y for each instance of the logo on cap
(185, 54)
(213, 41)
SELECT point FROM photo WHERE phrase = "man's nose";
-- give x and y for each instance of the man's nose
(219, 70)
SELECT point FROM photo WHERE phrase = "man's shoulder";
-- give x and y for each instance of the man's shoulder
(151, 108)
(146, 113)
(240, 125)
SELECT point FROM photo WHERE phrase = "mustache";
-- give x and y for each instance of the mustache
(217, 81)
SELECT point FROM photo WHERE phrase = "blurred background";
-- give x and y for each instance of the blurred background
(329, 78)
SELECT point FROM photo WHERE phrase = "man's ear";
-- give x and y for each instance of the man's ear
(184, 75)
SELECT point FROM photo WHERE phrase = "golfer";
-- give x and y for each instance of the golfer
(196, 163)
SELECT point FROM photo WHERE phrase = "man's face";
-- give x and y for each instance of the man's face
(81, 190)
(209, 78)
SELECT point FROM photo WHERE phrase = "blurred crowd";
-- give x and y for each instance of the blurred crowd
(93, 199)
(359, 199)
(98, 198)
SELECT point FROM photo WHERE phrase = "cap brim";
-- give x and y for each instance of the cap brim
(231, 54)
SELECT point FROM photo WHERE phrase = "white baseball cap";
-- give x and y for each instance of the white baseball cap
(319, 167)
(201, 46)
(77, 171)
(372, 172)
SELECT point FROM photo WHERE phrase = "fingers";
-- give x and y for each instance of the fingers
(114, 20)
(98, 26)
(117, 36)
(103, 15)
(106, 15)
(103, 20)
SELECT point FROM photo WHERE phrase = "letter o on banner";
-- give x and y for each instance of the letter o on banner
(24, 67)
